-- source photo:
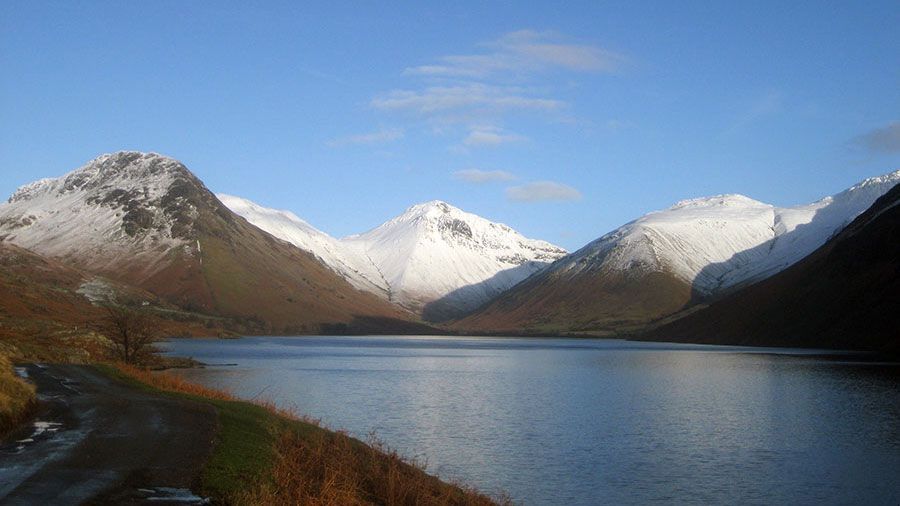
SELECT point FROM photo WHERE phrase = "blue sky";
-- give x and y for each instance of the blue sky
(561, 121)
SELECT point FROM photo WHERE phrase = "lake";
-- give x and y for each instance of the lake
(579, 421)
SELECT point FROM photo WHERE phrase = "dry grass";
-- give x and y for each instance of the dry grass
(172, 383)
(333, 469)
(16, 396)
(316, 466)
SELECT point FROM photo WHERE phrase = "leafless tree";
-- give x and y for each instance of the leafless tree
(132, 332)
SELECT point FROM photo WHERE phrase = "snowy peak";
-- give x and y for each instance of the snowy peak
(115, 206)
(149, 170)
(726, 201)
(434, 219)
(724, 240)
(432, 209)
(245, 208)
(437, 221)
(432, 251)
(442, 260)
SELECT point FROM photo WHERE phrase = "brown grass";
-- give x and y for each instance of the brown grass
(172, 383)
(16, 396)
(333, 469)
(318, 467)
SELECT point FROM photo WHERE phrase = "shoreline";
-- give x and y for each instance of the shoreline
(255, 451)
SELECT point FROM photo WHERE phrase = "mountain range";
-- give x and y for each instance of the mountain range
(143, 223)
(669, 260)
(145, 220)
(433, 259)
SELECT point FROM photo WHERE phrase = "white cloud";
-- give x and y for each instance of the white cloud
(524, 52)
(381, 136)
(483, 176)
(490, 136)
(472, 96)
(504, 80)
(542, 191)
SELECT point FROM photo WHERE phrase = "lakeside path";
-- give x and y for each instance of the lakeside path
(97, 440)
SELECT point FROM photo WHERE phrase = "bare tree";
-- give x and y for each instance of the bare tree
(131, 332)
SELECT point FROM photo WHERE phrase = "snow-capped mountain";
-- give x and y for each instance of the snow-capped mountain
(843, 295)
(436, 252)
(721, 241)
(145, 220)
(433, 258)
(667, 260)
(114, 208)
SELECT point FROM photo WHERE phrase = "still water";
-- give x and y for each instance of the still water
(569, 421)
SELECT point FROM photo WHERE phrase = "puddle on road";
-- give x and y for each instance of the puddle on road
(172, 495)
(41, 430)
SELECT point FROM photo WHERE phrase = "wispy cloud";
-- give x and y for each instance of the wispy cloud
(472, 97)
(542, 191)
(483, 176)
(381, 136)
(524, 52)
(490, 136)
(515, 77)
(884, 139)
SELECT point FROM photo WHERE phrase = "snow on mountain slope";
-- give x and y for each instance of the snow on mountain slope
(116, 205)
(721, 241)
(287, 226)
(146, 221)
(436, 252)
(431, 252)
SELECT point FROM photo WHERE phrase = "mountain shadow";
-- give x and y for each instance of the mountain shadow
(469, 298)
(600, 301)
(770, 257)
(843, 295)
(378, 325)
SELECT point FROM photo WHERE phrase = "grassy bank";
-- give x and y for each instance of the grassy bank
(266, 456)
(16, 396)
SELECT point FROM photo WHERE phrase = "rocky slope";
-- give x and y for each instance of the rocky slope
(145, 220)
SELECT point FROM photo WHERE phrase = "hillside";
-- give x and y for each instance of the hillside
(434, 259)
(144, 220)
(843, 295)
(668, 260)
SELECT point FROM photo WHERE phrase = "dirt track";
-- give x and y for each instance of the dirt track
(99, 441)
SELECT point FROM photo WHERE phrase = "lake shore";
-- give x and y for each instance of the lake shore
(235, 452)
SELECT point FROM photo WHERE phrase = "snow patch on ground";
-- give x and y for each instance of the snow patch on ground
(172, 495)
(40, 430)
(97, 291)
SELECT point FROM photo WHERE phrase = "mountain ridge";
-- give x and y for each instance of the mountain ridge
(666, 260)
(843, 295)
(423, 257)
(146, 220)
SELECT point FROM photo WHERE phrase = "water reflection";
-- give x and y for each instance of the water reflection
(586, 422)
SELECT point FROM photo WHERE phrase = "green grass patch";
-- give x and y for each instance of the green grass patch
(244, 450)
